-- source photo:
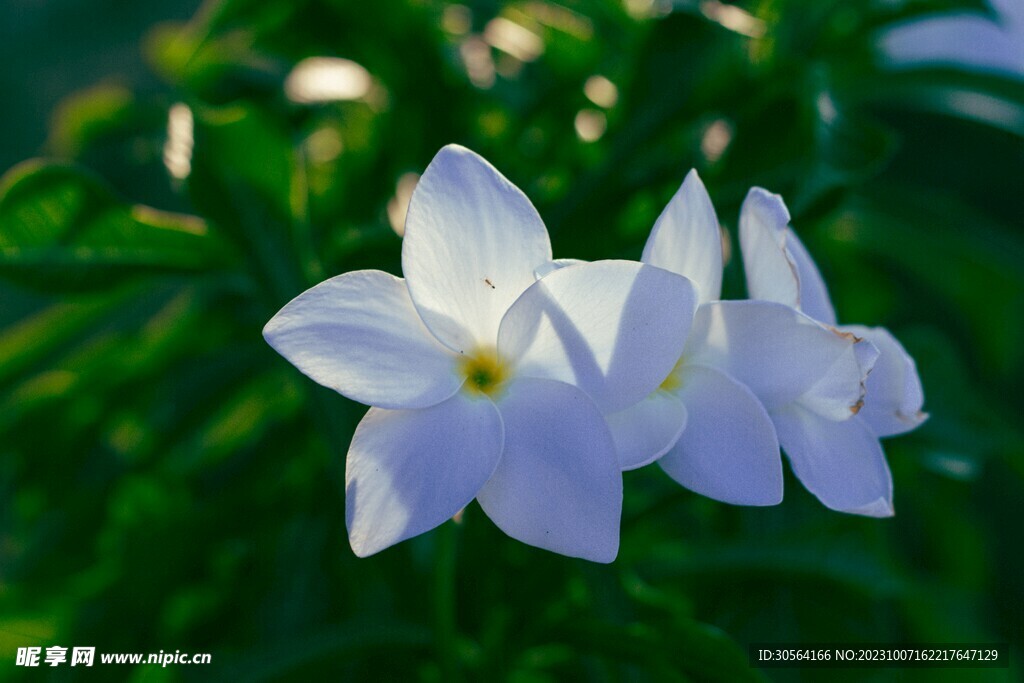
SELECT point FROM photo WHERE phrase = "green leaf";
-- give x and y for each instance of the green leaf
(243, 146)
(89, 114)
(684, 648)
(989, 99)
(848, 568)
(62, 230)
(345, 642)
(216, 68)
(243, 420)
(972, 273)
(241, 181)
(29, 340)
(890, 12)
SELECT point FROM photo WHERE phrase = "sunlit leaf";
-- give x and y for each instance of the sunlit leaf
(984, 98)
(88, 115)
(61, 229)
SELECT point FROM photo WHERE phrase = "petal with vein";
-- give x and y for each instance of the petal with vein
(647, 430)
(551, 266)
(558, 485)
(472, 242)
(686, 239)
(613, 328)
(841, 463)
(410, 470)
(728, 450)
(359, 334)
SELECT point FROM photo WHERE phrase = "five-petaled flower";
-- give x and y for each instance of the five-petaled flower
(484, 381)
(744, 363)
(710, 425)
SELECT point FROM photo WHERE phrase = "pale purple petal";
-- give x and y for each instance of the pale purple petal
(359, 334)
(613, 328)
(780, 354)
(410, 470)
(770, 268)
(892, 404)
(841, 463)
(814, 298)
(472, 242)
(961, 39)
(728, 450)
(686, 239)
(558, 485)
(830, 396)
(646, 430)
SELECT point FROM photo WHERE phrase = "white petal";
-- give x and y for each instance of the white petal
(830, 395)
(551, 266)
(686, 239)
(359, 334)
(410, 470)
(770, 268)
(814, 298)
(558, 485)
(647, 429)
(472, 241)
(839, 462)
(778, 265)
(728, 450)
(778, 353)
(613, 328)
(894, 396)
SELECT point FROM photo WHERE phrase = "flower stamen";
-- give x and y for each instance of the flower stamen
(484, 372)
(674, 381)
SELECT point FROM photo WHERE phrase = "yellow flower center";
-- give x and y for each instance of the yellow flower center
(484, 371)
(674, 381)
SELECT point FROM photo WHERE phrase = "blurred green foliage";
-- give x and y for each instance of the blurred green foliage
(168, 482)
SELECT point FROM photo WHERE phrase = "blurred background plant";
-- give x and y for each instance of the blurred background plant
(168, 482)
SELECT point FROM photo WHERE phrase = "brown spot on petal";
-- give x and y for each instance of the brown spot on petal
(855, 408)
(915, 419)
(846, 335)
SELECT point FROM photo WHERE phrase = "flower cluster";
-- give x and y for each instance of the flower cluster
(497, 373)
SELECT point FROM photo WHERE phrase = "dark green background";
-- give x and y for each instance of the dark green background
(168, 482)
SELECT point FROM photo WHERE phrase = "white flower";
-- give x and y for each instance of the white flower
(486, 383)
(744, 361)
(842, 463)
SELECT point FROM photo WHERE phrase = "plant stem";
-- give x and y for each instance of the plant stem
(444, 602)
